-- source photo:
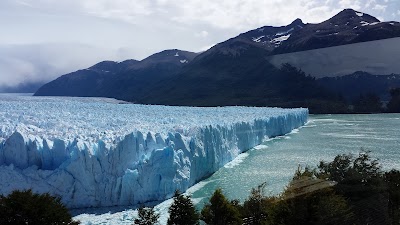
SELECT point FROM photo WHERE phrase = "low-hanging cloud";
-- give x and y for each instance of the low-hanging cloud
(24, 64)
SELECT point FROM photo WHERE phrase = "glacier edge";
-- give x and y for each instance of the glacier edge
(141, 167)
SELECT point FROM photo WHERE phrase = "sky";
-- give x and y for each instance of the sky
(41, 40)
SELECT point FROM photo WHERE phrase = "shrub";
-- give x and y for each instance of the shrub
(146, 216)
(26, 207)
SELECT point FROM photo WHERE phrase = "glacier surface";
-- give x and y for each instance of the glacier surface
(95, 152)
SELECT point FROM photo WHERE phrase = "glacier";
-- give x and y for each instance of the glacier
(97, 152)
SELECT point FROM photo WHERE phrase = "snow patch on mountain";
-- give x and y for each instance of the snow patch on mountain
(285, 32)
(258, 39)
(280, 39)
(364, 23)
(360, 14)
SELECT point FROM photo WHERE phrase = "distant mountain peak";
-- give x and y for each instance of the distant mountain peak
(350, 15)
(175, 56)
(104, 66)
(297, 22)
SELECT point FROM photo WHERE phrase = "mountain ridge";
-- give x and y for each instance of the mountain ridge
(233, 72)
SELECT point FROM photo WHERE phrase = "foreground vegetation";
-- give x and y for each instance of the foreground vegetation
(349, 190)
(26, 207)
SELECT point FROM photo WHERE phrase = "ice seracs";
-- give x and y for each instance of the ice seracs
(96, 152)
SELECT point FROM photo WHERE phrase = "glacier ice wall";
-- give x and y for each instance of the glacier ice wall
(131, 167)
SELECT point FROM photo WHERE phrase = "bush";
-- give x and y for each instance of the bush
(25, 207)
(146, 216)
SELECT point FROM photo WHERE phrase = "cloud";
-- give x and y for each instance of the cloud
(223, 14)
(228, 14)
(202, 34)
(369, 3)
(380, 7)
(43, 62)
(354, 4)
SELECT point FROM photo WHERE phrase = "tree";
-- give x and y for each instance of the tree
(369, 103)
(361, 181)
(255, 207)
(146, 216)
(182, 211)
(26, 207)
(394, 103)
(357, 177)
(322, 206)
(220, 211)
(392, 179)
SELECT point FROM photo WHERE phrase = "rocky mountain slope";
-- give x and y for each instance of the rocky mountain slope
(122, 80)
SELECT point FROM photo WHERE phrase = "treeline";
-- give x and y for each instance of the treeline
(371, 103)
(364, 103)
(349, 190)
(349, 94)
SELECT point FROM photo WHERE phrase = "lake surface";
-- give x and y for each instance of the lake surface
(275, 162)
(324, 137)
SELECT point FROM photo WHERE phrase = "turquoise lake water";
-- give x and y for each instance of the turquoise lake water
(324, 137)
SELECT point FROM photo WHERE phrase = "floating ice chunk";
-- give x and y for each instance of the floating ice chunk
(259, 147)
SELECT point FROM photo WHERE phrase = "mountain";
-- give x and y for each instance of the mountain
(347, 27)
(86, 82)
(238, 71)
(267, 37)
(121, 80)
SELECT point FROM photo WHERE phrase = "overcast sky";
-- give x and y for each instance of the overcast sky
(43, 39)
